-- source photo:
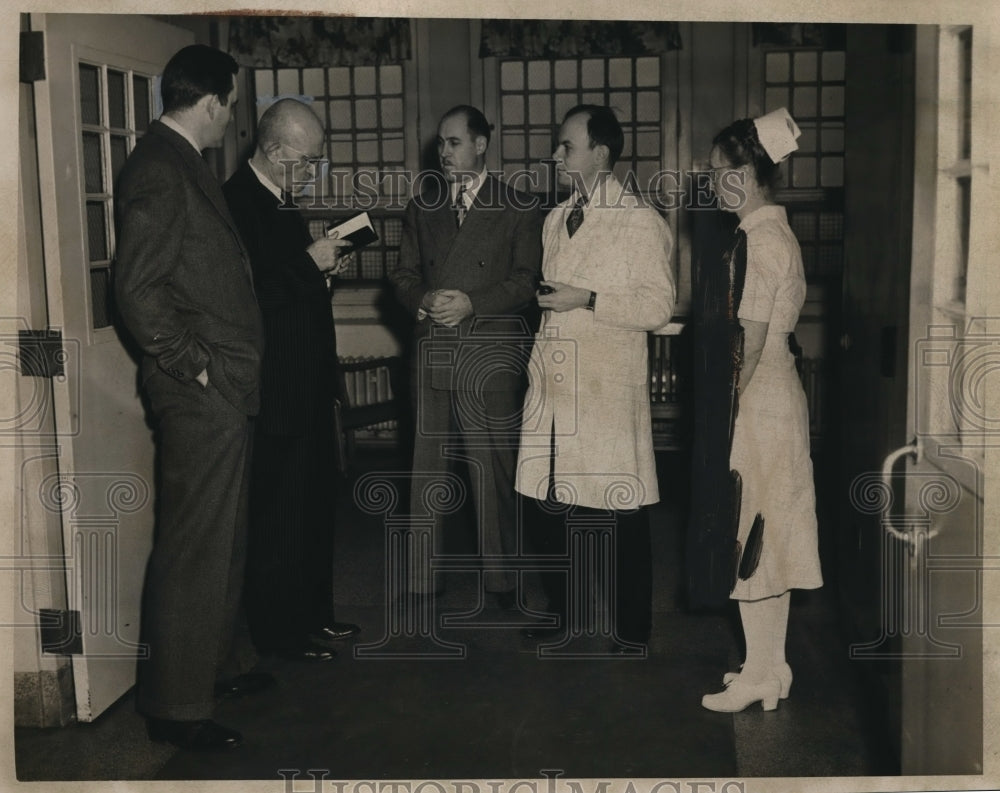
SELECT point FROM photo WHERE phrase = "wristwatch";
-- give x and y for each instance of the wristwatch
(593, 299)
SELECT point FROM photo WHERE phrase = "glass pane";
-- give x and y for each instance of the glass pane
(647, 72)
(803, 172)
(621, 103)
(263, 82)
(100, 297)
(364, 79)
(512, 76)
(341, 150)
(592, 73)
(540, 146)
(140, 100)
(804, 102)
(539, 109)
(775, 98)
(392, 79)
(371, 264)
(366, 114)
(831, 172)
(368, 151)
(564, 103)
(807, 140)
(119, 151)
(513, 147)
(392, 149)
(90, 94)
(392, 113)
(512, 110)
(340, 114)
(313, 82)
(593, 99)
(566, 74)
(340, 81)
(965, 95)
(833, 66)
(619, 72)
(97, 235)
(648, 144)
(964, 219)
(116, 100)
(538, 75)
(647, 106)
(776, 67)
(93, 163)
(806, 67)
(288, 82)
(832, 138)
(833, 101)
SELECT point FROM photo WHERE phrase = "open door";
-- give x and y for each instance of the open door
(95, 101)
(923, 554)
(940, 530)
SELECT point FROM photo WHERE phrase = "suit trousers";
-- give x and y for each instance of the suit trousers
(482, 430)
(289, 586)
(547, 534)
(193, 622)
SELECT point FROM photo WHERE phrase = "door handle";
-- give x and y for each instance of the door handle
(915, 450)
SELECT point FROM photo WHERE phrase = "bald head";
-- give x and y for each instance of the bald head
(290, 138)
(288, 121)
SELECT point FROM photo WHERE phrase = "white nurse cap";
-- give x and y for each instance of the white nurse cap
(777, 132)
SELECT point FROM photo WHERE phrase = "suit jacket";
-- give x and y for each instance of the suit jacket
(495, 258)
(299, 371)
(182, 279)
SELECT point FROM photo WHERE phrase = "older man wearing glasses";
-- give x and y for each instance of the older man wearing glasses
(289, 583)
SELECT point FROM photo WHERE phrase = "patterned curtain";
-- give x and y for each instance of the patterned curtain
(303, 41)
(551, 39)
(799, 34)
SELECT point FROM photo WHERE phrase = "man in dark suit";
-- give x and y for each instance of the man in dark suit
(184, 290)
(469, 262)
(289, 585)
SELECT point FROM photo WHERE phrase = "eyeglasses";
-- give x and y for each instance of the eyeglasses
(306, 159)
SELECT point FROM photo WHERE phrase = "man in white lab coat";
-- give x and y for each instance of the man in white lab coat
(586, 439)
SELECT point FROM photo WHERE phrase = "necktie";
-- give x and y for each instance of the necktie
(575, 218)
(459, 206)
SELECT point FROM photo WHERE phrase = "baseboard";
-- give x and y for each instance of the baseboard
(44, 698)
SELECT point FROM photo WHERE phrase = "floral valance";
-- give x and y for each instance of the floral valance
(303, 41)
(554, 39)
(800, 34)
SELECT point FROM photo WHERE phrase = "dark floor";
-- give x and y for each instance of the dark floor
(496, 709)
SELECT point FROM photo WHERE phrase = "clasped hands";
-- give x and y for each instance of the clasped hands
(326, 252)
(446, 306)
(563, 297)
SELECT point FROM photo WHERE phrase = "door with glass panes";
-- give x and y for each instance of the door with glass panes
(95, 102)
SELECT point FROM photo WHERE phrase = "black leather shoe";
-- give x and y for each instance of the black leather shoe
(203, 735)
(334, 632)
(241, 685)
(306, 652)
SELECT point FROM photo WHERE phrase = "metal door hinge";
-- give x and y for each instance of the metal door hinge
(32, 56)
(60, 632)
(41, 353)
